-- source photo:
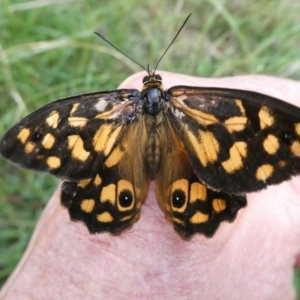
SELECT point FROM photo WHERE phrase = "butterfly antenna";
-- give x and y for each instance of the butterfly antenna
(172, 41)
(110, 43)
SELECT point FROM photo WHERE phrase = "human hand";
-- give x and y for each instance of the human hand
(251, 258)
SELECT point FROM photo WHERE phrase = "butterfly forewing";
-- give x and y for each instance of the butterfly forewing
(70, 138)
(237, 141)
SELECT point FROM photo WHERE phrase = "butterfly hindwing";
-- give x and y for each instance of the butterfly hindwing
(187, 203)
(71, 137)
(111, 200)
(237, 141)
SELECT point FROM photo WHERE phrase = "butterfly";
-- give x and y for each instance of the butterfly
(204, 148)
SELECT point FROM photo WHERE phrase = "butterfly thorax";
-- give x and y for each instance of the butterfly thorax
(152, 94)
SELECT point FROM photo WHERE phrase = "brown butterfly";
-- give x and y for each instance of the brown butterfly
(204, 147)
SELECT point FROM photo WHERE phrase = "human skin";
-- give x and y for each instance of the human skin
(251, 258)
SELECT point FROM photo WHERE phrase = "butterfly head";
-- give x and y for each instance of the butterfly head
(152, 79)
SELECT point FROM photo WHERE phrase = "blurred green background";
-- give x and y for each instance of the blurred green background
(48, 50)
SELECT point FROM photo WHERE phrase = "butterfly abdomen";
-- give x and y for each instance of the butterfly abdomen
(153, 153)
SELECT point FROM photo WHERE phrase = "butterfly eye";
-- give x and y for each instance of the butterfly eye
(146, 79)
(125, 198)
(178, 198)
(158, 78)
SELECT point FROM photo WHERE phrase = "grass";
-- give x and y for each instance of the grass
(49, 51)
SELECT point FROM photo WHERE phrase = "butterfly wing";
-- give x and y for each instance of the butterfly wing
(110, 201)
(71, 137)
(188, 203)
(82, 140)
(237, 141)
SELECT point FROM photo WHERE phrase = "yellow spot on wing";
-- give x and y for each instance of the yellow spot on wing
(77, 121)
(199, 150)
(97, 180)
(271, 144)
(238, 102)
(235, 161)
(125, 185)
(199, 217)
(126, 218)
(210, 145)
(83, 183)
(178, 221)
(52, 120)
(105, 217)
(53, 162)
(114, 157)
(74, 107)
(236, 124)
(106, 137)
(295, 148)
(218, 205)
(48, 141)
(264, 172)
(198, 191)
(29, 147)
(181, 184)
(297, 128)
(75, 144)
(23, 135)
(87, 205)
(108, 193)
(266, 119)
(282, 163)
